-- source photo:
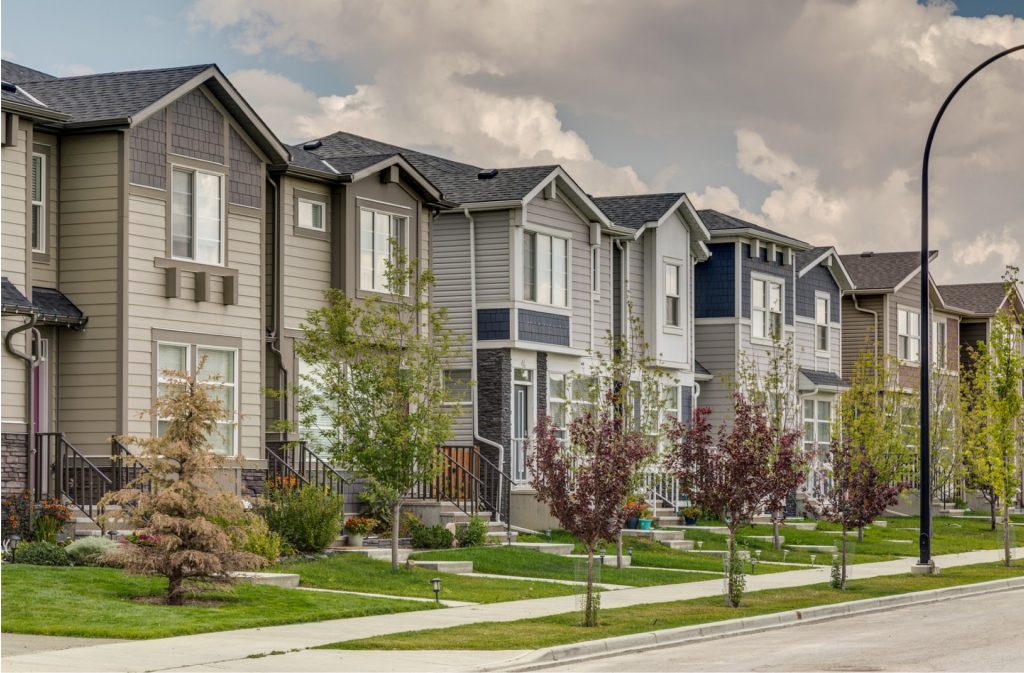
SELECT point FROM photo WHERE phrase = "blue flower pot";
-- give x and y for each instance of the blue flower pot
(645, 524)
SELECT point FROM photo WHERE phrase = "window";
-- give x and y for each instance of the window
(939, 343)
(766, 309)
(38, 203)
(317, 426)
(311, 215)
(219, 370)
(908, 329)
(817, 426)
(595, 270)
(197, 216)
(672, 313)
(821, 316)
(376, 232)
(459, 382)
(546, 269)
(557, 404)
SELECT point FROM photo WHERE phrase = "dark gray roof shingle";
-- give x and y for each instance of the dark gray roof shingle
(635, 211)
(13, 300)
(716, 221)
(53, 307)
(881, 270)
(805, 257)
(15, 73)
(820, 378)
(979, 298)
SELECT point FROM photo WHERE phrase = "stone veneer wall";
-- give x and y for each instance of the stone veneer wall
(252, 481)
(542, 386)
(15, 462)
(494, 402)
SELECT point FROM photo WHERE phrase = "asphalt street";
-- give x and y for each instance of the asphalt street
(979, 633)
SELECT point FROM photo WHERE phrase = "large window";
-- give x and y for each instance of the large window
(908, 329)
(818, 426)
(673, 315)
(939, 342)
(821, 317)
(219, 371)
(316, 427)
(377, 230)
(311, 215)
(546, 269)
(766, 308)
(557, 404)
(38, 203)
(197, 216)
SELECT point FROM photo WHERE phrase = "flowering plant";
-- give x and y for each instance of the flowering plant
(143, 540)
(636, 507)
(360, 525)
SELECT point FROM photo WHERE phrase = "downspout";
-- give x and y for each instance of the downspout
(31, 362)
(473, 367)
(874, 315)
(276, 283)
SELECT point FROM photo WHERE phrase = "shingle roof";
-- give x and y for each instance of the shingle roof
(13, 300)
(53, 307)
(824, 379)
(716, 221)
(16, 73)
(458, 181)
(635, 211)
(701, 369)
(980, 298)
(115, 95)
(881, 270)
(805, 257)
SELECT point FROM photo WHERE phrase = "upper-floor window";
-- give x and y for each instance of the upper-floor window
(197, 216)
(38, 203)
(311, 215)
(673, 314)
(546, 269)
(218, 372)
(377, 231)
(939, 343)
(766, 308)
(908, 330)
(821, 316)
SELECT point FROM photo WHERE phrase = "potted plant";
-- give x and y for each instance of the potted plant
(633, 509)
(690, 515)
(644, 517)
(358, 527)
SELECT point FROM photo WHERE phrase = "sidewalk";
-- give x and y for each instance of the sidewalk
(220, 651)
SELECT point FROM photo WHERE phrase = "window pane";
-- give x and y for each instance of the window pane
(181, 214)
(758, 323)
(366, 249)
(822, 337)
(824, 411)
(529, 266)
(559, 271)
(218, 363)
(544, 268)
(901, 322)
(37, 227)
(809, 409)
(207, 209)
(556, 386)
(37, 177)
(775, 298)
(381, 234)
(172, 357)
(821, 311)
(458, 382)
(757, 292)
(672, 280)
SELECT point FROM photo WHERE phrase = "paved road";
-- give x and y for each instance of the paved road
(979, 633)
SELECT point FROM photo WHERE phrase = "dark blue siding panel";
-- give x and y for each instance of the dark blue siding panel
(774, 268)
(545, 328)
(493, 324)
(713, 281)
(686, 410)
(818, 279)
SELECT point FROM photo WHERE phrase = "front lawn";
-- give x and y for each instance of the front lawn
(349, 572)
(521, 562)
(564, 628)
(101, 603)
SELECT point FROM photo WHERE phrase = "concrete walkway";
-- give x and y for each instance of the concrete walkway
(222, 650)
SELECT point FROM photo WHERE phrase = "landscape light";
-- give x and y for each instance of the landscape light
(547, 534)
(436, 585)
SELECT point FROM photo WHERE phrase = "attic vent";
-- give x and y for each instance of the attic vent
(488, 174)
(8, 87)
(312, 145)
(869, 253)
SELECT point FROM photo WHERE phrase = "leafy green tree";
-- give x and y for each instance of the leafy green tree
(374, 395)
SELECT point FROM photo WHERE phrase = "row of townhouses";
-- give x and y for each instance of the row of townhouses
(151, 219)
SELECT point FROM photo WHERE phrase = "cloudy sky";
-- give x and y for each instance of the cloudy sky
(809, 117)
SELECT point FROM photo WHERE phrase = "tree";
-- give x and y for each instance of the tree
(184, 522)
(994, 402)
(854, 493)
(946, 454)
(738, 475)
(374, 396)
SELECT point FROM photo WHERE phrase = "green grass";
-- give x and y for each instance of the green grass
(97, 603)
(350, 572)
(520, 562)
(564, 628)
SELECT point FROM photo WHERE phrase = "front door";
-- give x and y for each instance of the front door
(41, 388)
(520, 432)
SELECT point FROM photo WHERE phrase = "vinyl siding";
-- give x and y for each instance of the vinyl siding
(306, 270)
(806, 353)
(150, 310)
(493, 257)
(451, 266)
(635, 278)
(603, 306)
(89, 249)
(14, 193)
(44, 274)
(716, 349)
(859, 329)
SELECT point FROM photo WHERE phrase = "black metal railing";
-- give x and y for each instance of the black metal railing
(295, 460)
(470, 481)
(62, 471)
(125, 467)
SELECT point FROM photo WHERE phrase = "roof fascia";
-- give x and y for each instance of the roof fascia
(34, 112)
(747, 232)
(583, 201)
(426, 185)
(917, 269)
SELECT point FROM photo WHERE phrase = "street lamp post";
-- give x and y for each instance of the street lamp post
(925, 563)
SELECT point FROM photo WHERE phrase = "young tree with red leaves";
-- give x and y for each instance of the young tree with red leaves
(853, 494)
(747, 469)
(586, 479)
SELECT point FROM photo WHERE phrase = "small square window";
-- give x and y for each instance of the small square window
(311, 215)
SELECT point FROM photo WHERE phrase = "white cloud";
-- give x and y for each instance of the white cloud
(73, 69)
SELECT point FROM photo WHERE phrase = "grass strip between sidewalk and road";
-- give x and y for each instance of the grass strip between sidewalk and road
(563, 629)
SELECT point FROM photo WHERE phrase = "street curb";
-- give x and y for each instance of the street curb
(639, 642)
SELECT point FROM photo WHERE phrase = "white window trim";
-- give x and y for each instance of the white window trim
(677, 328)
(553, 233)
(191, 362)
(44, 230)
(767, 279)
(916, 313)
(827, 351)
(359, 246)
(221, 177)
(323, 214)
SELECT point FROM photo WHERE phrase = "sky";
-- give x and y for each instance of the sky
(805, 116)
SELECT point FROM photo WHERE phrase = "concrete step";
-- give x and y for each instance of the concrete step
(953, 512)
(289, 580)
(450, 567)
(765, 538)
(672, 520)
(761, 519)
(546, 547)
(679, 545)
(501, 535)
(814, 548)
(722, 553)
(805, 525)
(657, 534)
(376, 553)
(609, 559)
(714, 530)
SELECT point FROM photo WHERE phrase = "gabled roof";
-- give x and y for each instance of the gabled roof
(721, 224)
(15, 73)
(882, 270)
(809, 259)
(982, 299)
(812, 379)
(639, 211)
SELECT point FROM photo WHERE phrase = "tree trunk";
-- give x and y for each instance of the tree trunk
(992, 510)
(842, 572)
(176, 590)
(860, 534)
(618, 550)
(589, 611)
(395, 525)
(1006, 532)
(775, 534)
(732, 571)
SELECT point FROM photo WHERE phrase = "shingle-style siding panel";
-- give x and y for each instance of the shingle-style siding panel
(603, 306)
(714, 283)
(763, 265)
(13, 199)
(493, 324)
(197, 128)
(449, 260)
(147, 160)
(245, 181)
(545, 328)
(91, 171)
(818, 279)
(493, 258)
(859, 329)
